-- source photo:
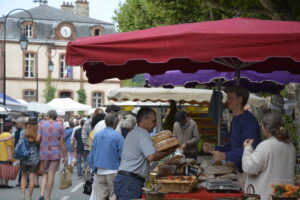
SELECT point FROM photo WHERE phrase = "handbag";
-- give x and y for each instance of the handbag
(87, 186)
(65, 180)
(248, 195)
(21, 151)
(8, 172)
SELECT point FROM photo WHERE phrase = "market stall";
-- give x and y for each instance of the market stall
(223, 45)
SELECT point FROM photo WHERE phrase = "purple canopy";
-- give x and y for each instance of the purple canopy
(253, 81)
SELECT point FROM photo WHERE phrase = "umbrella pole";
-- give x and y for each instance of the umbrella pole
(237, 76)
(219, 112)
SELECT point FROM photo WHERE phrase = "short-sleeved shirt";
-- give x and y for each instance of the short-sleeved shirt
(137, 147)
(4, 145)
(51, 133)
(79, 142)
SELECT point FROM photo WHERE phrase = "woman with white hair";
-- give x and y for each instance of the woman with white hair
(127, 124)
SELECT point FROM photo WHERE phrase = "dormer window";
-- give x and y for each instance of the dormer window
(97, 30)
(29, 29)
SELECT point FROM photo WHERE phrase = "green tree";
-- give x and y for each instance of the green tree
(49, 91)
(81, 99)
(81, 96)
(141, 14)
(136, 81)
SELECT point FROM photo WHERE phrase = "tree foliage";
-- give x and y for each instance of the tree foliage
(142, 14)
(81, 96)
(49, 91)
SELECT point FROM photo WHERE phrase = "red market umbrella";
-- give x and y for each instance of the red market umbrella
(224, 45)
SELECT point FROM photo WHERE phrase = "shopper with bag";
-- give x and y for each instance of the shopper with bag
(30, 165)
(52, 149)
(6, 157)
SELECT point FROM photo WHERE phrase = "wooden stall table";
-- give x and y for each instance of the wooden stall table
(202, 194)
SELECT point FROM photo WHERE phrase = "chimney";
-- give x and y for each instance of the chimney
(67, 7)
(82, 7)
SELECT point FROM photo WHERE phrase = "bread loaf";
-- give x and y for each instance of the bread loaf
(166, 144)
(163, 135)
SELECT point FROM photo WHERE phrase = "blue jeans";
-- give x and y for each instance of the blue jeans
(127, 187)
(79, 160)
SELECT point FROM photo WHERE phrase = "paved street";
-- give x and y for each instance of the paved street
(74, 192)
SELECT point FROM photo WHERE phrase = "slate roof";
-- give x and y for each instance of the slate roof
(45, 12)
(47, 18)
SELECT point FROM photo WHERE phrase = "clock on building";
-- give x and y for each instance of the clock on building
(65, 31)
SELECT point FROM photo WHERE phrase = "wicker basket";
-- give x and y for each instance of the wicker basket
(250, 195)
(154, 195)
(184, 186)
(283, 198)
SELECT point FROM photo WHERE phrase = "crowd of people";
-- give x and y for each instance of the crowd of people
(117, 149)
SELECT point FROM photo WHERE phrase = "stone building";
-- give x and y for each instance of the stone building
(48, 35)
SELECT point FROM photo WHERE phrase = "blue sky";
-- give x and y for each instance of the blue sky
(99, 9)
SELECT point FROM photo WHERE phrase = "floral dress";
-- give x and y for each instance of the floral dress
(50, 146)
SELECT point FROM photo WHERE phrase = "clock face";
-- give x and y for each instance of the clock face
(65, 31)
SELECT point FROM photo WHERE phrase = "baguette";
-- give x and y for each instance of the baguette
(166, 144)
(163, 135)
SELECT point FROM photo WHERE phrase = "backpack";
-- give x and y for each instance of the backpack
(21, 151)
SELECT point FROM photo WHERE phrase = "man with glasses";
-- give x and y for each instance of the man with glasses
(138, 152)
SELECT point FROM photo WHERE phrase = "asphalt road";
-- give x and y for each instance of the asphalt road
(72, 193)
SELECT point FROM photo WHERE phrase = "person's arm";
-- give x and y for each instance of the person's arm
(195, 136)
(9, 153)
(120, 145)
(160, 154)
(6, 139)
(253, 162)
(63, 145)
(73, 142)
(248, 130)
(39, 133)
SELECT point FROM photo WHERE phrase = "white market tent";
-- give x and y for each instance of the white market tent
(178, 94)
(22, 101)
(38, 107)
(4, 111)
(68, 105)
(12, 103)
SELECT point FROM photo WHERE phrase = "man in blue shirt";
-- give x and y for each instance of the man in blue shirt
(105, 157)
(243, 126)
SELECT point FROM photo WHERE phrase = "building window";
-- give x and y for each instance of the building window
(97, 31)
(66, 72)
(28, 30)
(29, 95)
(97, 99)
(65, 94)
(29, 65)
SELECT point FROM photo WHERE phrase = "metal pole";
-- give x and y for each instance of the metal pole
(219, 111)
(237, 76)
(37, 82)
(4, 52)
